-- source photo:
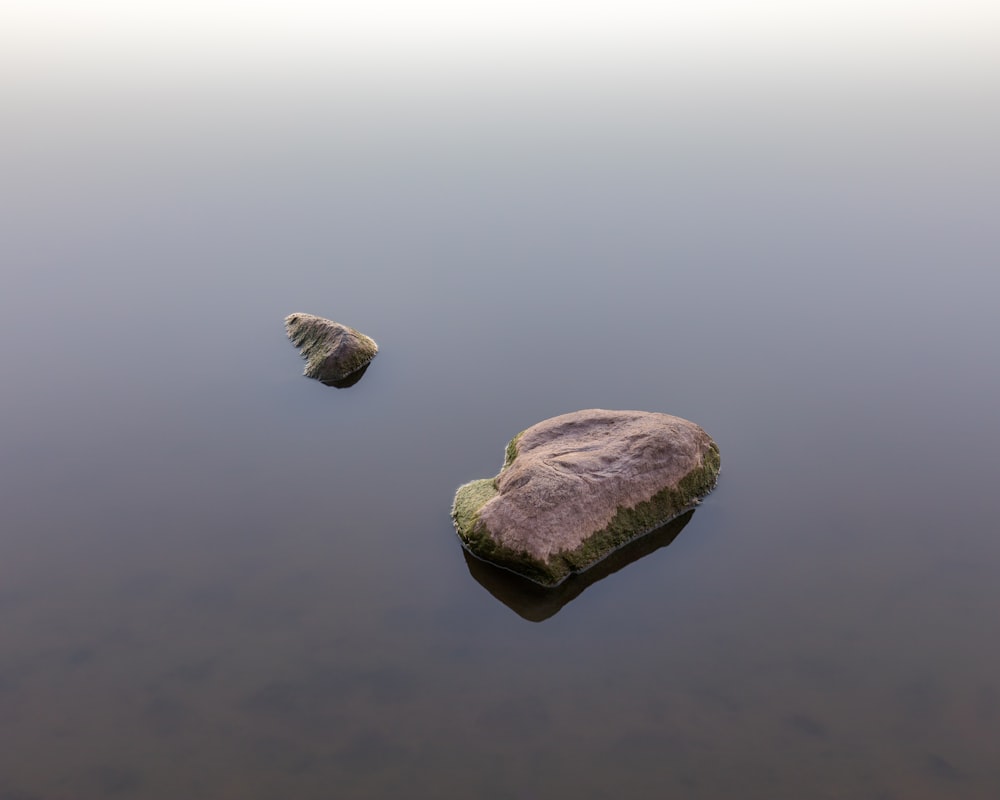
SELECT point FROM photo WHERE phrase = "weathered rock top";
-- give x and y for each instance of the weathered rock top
(576, 487)
(333, 352)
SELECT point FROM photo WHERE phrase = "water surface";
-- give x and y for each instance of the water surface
(219, 579)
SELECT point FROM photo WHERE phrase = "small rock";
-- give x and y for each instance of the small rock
(334, 353)
(575, 488)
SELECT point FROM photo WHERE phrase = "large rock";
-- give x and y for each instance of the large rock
(333, 352)
(577, 487)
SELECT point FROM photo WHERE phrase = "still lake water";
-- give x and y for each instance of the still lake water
(219, 579)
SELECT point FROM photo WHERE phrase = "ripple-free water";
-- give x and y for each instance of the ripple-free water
(220, 579)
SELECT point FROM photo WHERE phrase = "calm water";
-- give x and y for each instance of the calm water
(219, 579)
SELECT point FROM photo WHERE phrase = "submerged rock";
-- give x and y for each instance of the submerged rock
(575, 488)
(334, 354)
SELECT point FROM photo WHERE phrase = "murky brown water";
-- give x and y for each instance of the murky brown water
(219, 579)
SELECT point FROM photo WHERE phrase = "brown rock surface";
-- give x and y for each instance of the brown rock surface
(576, 487)
(333, 352)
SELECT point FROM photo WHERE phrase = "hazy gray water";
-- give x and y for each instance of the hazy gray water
(219, 579)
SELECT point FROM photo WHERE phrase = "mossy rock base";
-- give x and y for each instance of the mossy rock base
(575, 488)
(537, 603)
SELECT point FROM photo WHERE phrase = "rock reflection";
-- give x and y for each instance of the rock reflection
(350, 380)
(537, 603)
